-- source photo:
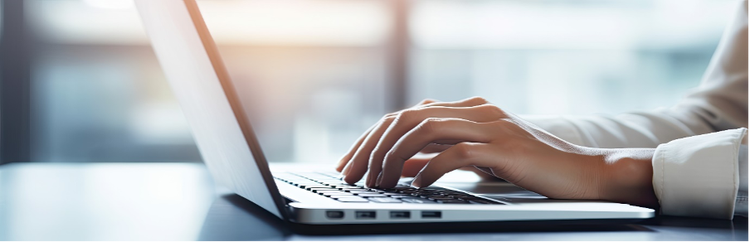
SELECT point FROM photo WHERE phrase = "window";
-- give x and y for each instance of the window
(313, 70)
(317, 73)
(564, 57)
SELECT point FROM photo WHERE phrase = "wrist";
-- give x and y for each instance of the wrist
(627, 176)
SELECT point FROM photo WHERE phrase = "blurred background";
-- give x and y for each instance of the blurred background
(87, 87)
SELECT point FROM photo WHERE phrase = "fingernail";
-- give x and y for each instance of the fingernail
(370, 180)
(417, 182)
(377, 182)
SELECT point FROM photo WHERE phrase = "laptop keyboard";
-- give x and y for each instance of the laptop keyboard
(331, 186)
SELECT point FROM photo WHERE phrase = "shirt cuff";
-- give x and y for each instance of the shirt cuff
(698, 176)
(740, 205)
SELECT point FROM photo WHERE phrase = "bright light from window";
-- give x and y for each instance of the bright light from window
(110, 4)
(233, 22)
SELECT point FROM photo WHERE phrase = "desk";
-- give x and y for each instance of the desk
(178, 201)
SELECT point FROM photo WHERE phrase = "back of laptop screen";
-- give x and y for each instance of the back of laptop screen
(194, 73)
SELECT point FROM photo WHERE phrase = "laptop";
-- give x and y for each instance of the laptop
(232, 154)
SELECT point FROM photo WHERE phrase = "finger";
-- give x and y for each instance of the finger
(460, 155)
(432, 130)
(435, 148)
(408, 119)
(346, 158)
(469, 102)
(357, 167)
(413, 166)
(425, 102)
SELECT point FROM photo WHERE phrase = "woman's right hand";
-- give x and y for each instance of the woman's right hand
(357, 154)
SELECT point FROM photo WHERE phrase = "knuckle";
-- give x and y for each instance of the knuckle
(464, 150)
(426, 101)
(376, 155)
(406, 116)
(390, 118)
(493, 110)
(506, 122)
(478, 99)
(374, 166)
(430, 125)
(504, 125)
(393, 156)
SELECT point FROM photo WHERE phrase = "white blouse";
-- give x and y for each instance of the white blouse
(700, 163)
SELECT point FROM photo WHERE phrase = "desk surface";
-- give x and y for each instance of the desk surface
(178, 201)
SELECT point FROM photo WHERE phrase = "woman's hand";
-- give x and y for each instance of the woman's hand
(472, 132)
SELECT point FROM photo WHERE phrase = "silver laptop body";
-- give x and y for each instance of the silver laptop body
(230, 150)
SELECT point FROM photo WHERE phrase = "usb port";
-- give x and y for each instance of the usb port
(431, 214)
(365, 214)
(335, 214)
(400, 214)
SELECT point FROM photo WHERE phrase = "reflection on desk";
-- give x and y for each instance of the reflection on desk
(178, 201)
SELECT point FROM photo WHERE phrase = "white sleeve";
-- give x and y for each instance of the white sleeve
(699, 176)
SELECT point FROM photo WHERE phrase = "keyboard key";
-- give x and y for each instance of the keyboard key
(355, 190)
(319, 190)
(315, 187)
(400, 196)
(331, 185)
(392, 194)
(372, 195)
(452, 201)
(415, 200)
(342, 196)
(344, 186)
(439, 197)
(352, 199)
(332, 193)
(384, 200)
